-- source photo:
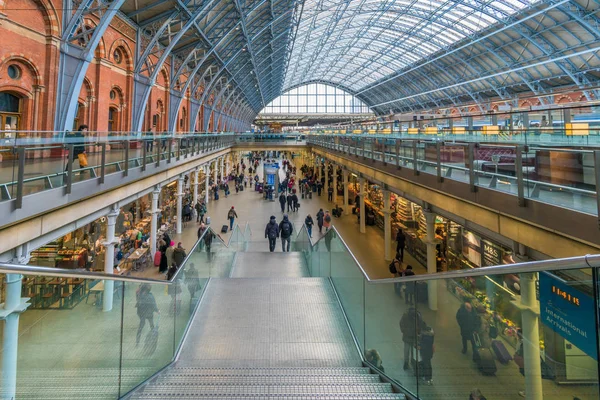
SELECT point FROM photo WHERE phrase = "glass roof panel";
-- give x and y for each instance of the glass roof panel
(336, 39)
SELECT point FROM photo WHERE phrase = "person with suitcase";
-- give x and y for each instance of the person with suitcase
(231, 215)
(484, 357)
(469, 323)
(411, 325)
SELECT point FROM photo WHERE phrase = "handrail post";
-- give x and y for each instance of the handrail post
(398, 143)
(471, 158)
(126, 169)
(102, 161)
(20, 176)
(144, 156)
(363, 149)
(158, 145)
(178, 149)
(438, 154)
(384, 153)
(519, 172)
(69, 168)
(414, 148)
(169, 150)
(597, 175)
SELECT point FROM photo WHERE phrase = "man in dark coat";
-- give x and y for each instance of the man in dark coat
(469, 322)
(272, 233)
(282, 201)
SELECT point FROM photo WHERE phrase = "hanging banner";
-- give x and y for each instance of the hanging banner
(568, 312)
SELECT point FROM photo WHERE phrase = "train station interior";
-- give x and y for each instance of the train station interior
(300, 199)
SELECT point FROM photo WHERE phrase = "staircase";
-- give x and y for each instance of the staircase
(268, 383)
(268, 332)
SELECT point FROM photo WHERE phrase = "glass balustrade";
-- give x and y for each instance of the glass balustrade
(507, 335)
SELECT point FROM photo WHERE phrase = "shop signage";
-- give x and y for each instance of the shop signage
(492, 253)
(568, 312)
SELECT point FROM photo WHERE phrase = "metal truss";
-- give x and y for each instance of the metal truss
(236, 56)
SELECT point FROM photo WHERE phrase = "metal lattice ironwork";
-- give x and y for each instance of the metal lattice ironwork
(394, 55)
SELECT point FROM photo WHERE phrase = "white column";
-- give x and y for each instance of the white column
(335, 184)
(222, 168)
(196, 184)
(326, 185)
(430, 242)
(179, 205)
(14, 305)
(387, 226)
(206, 184)
(215, 170)
(346, 205)
(109, 258)
(362, 193)
(531, 338)
(154, 220)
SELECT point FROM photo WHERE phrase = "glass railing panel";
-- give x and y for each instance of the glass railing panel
(455, 162)
(237, 240)
(41, 165)
(495, 168)
(66, 344)
(348, 281)
(560, 177)
(507, 335)
(427, 156)
(149, 313)
(212, 257)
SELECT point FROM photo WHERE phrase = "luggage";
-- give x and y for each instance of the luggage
(224, 229)
(157, 256)
(485, 362)
(310, 195)
(207, 219)
(501, 352)
(370, 219)
(83, 160)
(216, 196)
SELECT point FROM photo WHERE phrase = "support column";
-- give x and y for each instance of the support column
(196, 184)
(14, 305)
(109, 258)
(431, 259)
(387, 225)
(222, 168)
(531, 338)
(154, 220)
(361, 194)
(206, 183)
(346, 205)
(334, 184)
(326, 185)
(179, 205)
(215, 170)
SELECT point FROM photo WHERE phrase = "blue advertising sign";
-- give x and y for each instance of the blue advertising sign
(568, 312)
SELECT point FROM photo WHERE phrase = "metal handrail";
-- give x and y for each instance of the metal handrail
(587, 261)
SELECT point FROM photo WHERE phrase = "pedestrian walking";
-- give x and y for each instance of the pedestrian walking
(146, 307)
(272, 233)
(320, 221)
(285, 231)
(308, 222)
(411, 325)
(231, 216)
(295, 203)
(282, 201)
(330, 194)
(401, 243)
(290, 202)
(327, 220)
(409, 290)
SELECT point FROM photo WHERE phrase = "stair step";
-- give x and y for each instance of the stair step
(179, 379)
(223, 390)
(336, 396)
(192, 371)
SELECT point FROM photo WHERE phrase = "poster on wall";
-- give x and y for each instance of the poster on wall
(492, 253)
(471, 248)
(568, 312)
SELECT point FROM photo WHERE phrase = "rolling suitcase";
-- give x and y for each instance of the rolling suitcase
(501, 352)
(207, 220)
(486, 363)
(224, 229)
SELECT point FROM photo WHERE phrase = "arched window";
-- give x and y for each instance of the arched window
(10, 112)
(79, 116)
(316, 98)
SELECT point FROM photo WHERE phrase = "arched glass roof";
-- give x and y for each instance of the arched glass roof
(360, 42)
(316, 98)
